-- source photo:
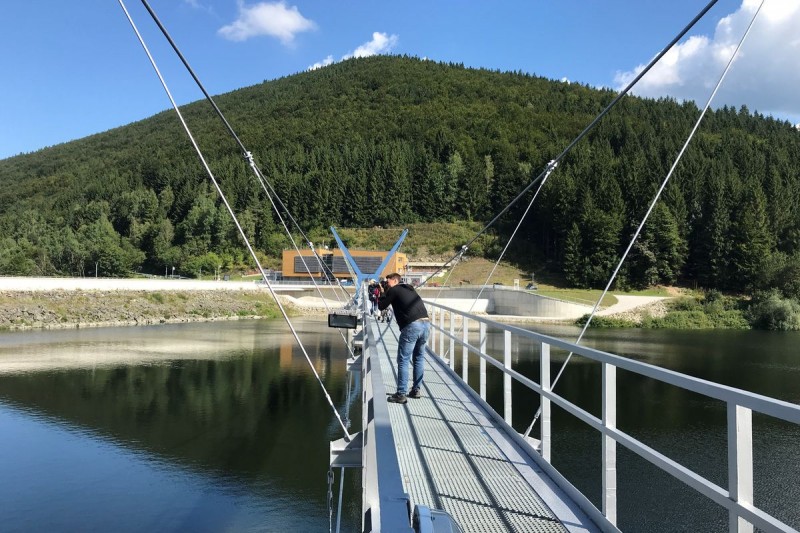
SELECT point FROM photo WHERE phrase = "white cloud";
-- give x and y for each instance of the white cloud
(765, 76)
(381, 43)
(274, 19)
(319, 64)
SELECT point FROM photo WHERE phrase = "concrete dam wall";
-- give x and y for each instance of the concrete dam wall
(505, 301)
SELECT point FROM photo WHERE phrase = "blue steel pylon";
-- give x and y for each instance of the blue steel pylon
(360, 276)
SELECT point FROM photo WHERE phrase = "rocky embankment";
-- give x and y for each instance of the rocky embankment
(634, 309)
(68, 309)
(656, 309)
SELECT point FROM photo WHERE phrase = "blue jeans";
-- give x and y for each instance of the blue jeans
(411, 347)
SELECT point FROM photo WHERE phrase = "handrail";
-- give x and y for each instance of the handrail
(385, 505)
(764, 404)
(737, 498)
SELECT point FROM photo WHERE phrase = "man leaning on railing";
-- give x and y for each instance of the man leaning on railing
(412, 319)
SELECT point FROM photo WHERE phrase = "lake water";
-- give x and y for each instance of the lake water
(685, 426)
(197, 427)
(222, 426)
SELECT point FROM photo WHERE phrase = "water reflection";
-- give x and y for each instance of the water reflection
(180, 427)
(222, 426)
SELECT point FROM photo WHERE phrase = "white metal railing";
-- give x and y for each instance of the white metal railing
(737, 498)
(385, 505)
(384, 502)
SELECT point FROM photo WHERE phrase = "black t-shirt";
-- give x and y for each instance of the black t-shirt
(405, 302)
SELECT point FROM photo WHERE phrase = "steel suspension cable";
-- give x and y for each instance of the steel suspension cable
(652, 206)
(347, 436)
(270, 192)
(245, 152)
(320, 262)
(323, 267)
(550, 168)
(587, 129)
(308, 269)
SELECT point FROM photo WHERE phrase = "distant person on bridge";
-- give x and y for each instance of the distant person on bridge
(412, 319)
(374, 292)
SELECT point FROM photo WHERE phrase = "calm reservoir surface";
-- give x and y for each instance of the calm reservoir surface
(684, 426)
(222, 426)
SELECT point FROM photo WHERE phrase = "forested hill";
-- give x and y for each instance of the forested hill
(392, 140)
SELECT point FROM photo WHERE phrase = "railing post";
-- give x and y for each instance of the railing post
(464, 350)
(740, 463)
(430, 316)
(441, 332)
(452, 350)
(507, 377)
(482, 362)
(432, 336)
(437, 319)
(609, 444)
(544, 419)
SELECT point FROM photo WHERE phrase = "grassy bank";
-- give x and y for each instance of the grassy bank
(693, 311)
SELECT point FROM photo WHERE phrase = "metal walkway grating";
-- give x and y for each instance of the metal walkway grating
(452, 457)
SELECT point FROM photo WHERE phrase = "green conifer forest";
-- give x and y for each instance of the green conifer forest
(389, 141)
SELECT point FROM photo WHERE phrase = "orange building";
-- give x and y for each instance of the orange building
(367, 261)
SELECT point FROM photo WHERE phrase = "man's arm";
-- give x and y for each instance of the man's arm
(384, 300)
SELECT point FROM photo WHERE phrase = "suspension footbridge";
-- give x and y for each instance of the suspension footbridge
(449, 461)
(450, 458)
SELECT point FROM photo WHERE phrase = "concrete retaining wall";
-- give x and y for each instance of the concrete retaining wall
(511, 302)
(507, 301)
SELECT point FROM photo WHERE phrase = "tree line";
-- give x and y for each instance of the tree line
(388, 141)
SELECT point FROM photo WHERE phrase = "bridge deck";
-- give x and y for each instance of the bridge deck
(453, 457)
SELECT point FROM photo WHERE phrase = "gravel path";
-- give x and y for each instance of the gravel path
(626, 304)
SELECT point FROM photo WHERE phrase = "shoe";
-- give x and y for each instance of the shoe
(414, 394)
(397, 398)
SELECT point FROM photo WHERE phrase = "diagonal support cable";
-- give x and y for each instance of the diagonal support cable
(587, 129)
(270, 192)
(652, 206)
(265, 184)
(214, 181)
(551, 166)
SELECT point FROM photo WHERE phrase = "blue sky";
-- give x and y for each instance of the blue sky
(72, 69)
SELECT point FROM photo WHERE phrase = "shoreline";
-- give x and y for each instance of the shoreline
(55, 310)
(23, 310)
(60, 309)
(121, 323)
(28, 304)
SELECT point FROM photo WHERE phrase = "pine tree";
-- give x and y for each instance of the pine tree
(752, 240)
(572, 261)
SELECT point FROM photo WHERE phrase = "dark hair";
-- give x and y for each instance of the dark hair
(395, 276)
